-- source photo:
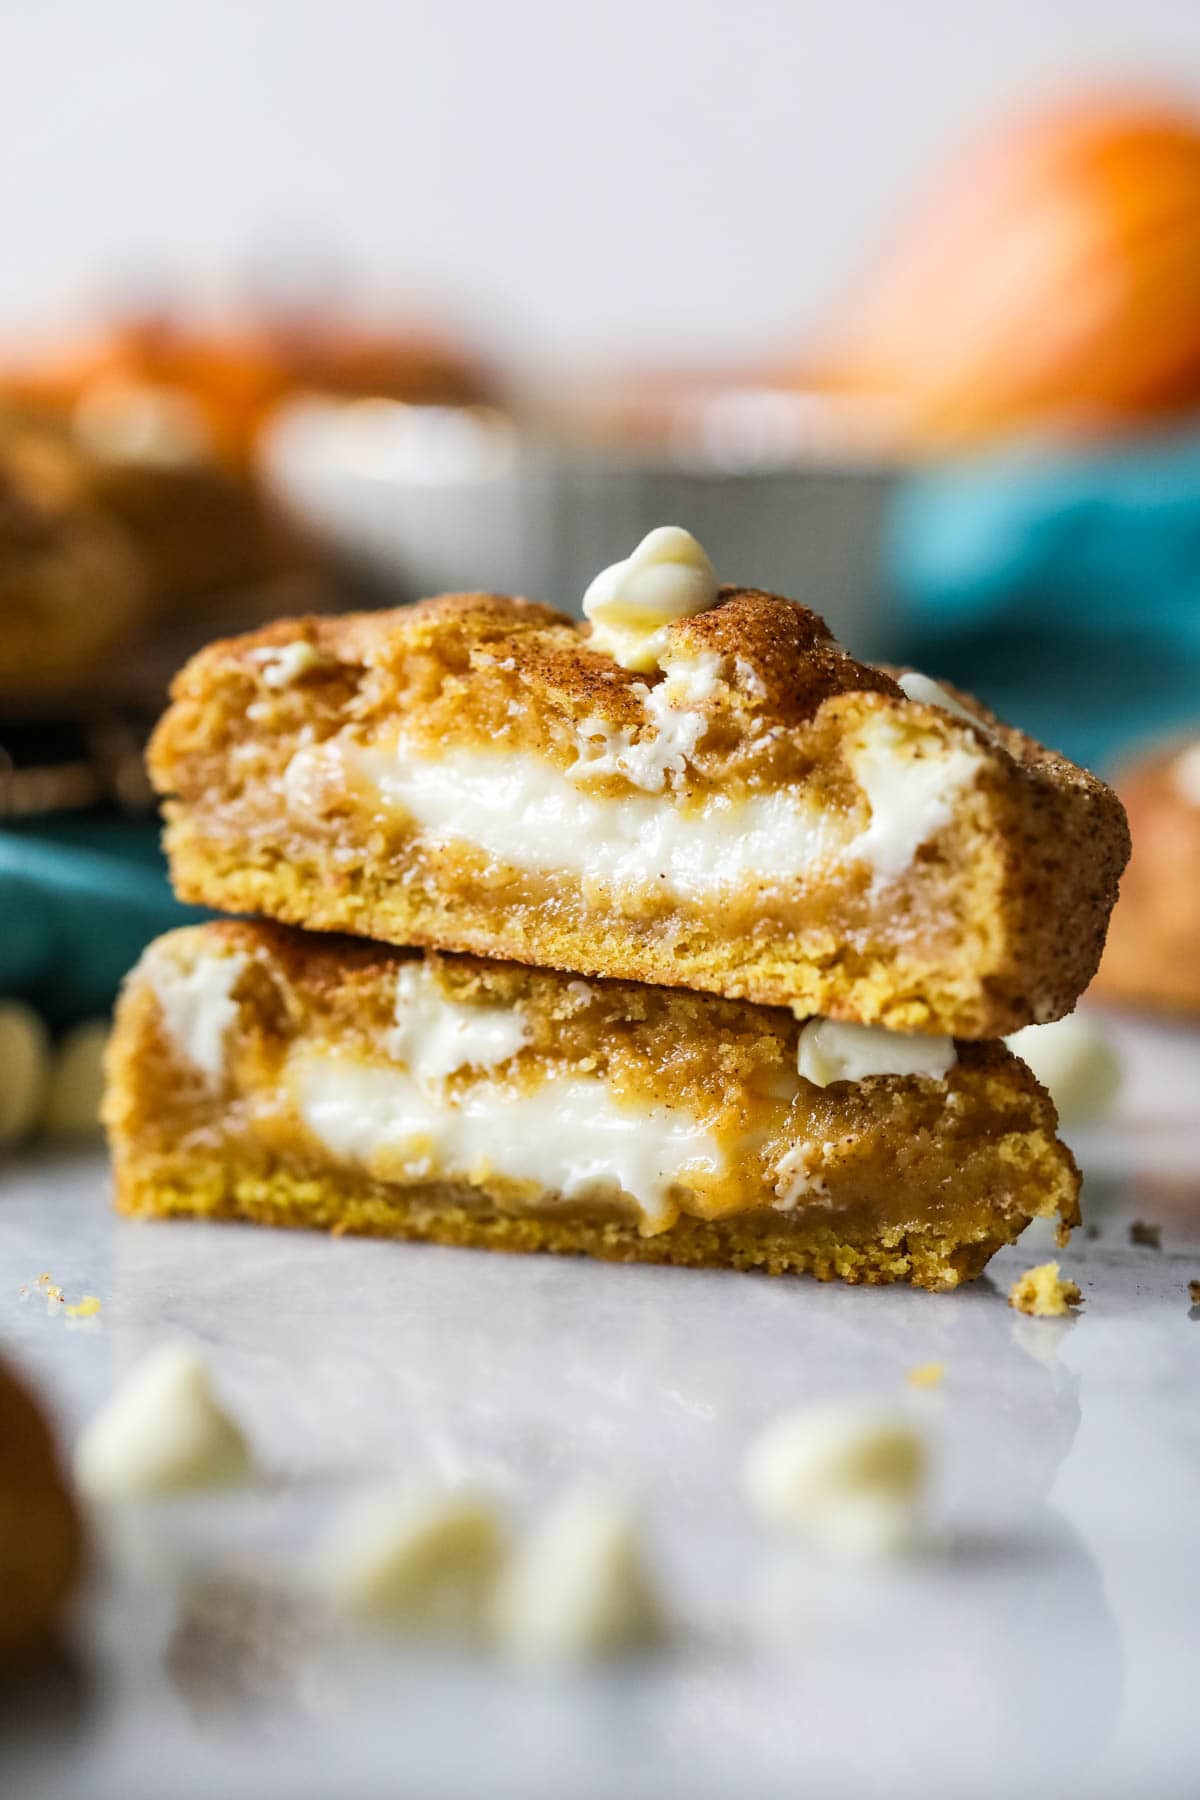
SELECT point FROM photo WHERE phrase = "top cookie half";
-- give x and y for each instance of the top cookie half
(759, 816)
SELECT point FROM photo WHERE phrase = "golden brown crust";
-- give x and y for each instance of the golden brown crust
(887, 1179)
(998, 922)
(215, 1184)
(1152, 957)
(794, 660)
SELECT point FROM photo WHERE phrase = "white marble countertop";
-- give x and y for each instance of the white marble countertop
(1045, 1642)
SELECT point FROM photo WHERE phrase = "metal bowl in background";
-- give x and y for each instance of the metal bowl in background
(428, 500)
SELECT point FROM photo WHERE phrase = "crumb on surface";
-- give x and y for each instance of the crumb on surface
(1043, 1294)
(926, 1375)
(85, 1308)
(1194, 1292)
(1149, 1236)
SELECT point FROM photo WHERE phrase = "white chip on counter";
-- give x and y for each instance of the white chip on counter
(421, 1563)
(163, 1431)
(76, 1085)
(578, 1589)
(849, 1476)
(1076, 1061)
(24, 1070)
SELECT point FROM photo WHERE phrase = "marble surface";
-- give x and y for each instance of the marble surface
(1044, 1640)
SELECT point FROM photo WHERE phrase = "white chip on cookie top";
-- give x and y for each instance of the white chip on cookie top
(916, 686)
(831, 1050)
(631, 603)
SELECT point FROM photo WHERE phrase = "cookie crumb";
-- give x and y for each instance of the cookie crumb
(1148, 1236)
(1043, 1294)
(1194, 1292)
(926, 1375)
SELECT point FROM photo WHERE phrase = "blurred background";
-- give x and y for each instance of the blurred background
(896, 308)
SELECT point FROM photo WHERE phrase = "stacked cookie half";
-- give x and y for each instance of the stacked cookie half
(681, 937)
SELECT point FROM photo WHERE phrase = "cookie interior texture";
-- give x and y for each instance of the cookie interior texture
(767, 818)
(267, 1074)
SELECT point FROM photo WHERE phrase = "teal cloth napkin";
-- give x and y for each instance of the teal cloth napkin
(79, 900)
(1064, 591)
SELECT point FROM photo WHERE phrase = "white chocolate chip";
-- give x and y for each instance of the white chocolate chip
(24, 1071)
(1185, 774)
(578, 1589)
(830, 1051)
(1075, 1060)
(77, 1082)
(281, 664)
(931, 693)
(163, 1431)
(847, 1476)
(425, 1564)
(631, 603)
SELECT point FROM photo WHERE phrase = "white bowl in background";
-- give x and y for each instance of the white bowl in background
(428, 500)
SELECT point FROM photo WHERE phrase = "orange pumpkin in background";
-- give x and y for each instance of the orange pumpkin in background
(1052, 284)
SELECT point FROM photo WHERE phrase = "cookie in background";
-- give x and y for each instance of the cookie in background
(134, 451)
(1152, 958)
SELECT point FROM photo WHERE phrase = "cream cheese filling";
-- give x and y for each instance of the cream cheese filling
(912, 781)
(436, 1036)
(197, 1005)
(527, 813)
(570, 1136)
